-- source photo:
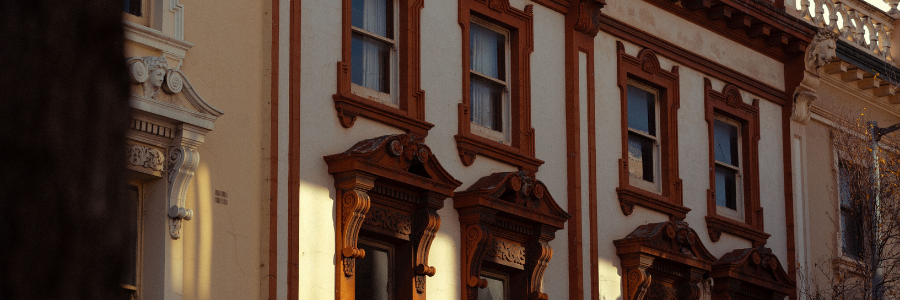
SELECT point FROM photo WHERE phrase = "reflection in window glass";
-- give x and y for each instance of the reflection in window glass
(727, 155)
(643, 142)
(640, 157)
(495, 290)
(726, 142)
(373, 273)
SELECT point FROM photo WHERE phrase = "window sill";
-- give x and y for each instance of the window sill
(716, 225)
(629, 196)
(471, 145)
(848, 265)
(155, 39)
(350, 106)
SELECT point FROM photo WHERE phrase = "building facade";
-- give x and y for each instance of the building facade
(488, 149)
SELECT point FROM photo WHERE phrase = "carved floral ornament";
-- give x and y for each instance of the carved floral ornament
(509, 218)
(397, 171)
(142, 156)
(589, 16)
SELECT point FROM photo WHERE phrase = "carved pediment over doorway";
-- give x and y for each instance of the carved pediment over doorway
(663, 261)
(750, 274)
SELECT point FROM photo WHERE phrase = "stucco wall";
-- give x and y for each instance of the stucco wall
(224, 246)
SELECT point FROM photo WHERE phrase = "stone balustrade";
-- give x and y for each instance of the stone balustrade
(857, 22)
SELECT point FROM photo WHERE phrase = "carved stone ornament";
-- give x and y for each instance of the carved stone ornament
(154, 75)
(663, 261)
(390, 171)
(142, 156)
(752, 273)
(821, 50)
(589, 16)
(519, 208)
(182, 163)
(802, 103)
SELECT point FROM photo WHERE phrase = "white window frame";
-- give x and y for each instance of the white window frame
(390, 99)
(738, 212)
(505, 136)
(656, 185)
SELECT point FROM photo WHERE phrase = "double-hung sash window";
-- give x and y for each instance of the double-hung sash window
(852, 196)
(489, 80)
(727, 149)
(643, 136)
(374, 50)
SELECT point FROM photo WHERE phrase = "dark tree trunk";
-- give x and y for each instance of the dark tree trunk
(63, 114)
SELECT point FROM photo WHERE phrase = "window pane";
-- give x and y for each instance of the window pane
(373, 16)
(132, 217)
(641, 110)
(850, 236)
(493, 291)
(132, 7)
(726, 187)
(487, 103)
(371, 60)
(373, 274)
(640, 157)
(487, 51)
(726, 143)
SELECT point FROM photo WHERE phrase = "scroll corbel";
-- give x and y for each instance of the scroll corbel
(426, 224)
(183, 161)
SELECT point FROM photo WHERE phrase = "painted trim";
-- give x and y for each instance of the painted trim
(293, 161)
(410, 115)
(272, 275)
(520, 152)
(691, 60)
(730, 104)
(645, 68)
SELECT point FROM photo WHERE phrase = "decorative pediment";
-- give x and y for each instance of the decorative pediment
(168, 93)
(516, 193)
(751, 273)
(673, 240)
(509, 220)
(663, 261)
(390, 185)
(402, 158)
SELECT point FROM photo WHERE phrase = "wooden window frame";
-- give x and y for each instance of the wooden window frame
(729, 104)
(520, 150)
(390, 186)
(504, 136)
(508, 220)
(409, 113)
(646, 70)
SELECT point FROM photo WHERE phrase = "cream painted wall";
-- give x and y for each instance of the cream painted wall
(693, 162)
(694, 38)
(226, 246)
(441, 63)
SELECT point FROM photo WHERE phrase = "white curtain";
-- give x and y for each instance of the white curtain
(486, 49)
(371, 57)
